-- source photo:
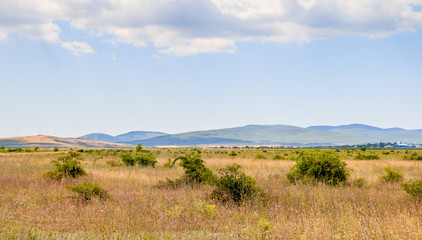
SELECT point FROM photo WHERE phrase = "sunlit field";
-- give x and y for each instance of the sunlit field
(32, 207)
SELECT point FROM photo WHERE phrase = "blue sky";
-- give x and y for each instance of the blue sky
(68, 69)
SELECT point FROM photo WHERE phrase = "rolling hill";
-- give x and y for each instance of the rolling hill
(126, 137)
(287, 135)
(43, 141)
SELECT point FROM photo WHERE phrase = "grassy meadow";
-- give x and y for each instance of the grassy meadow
(32, 207)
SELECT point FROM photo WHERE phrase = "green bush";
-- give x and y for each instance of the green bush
(145, 159)
(234, 186)
(367, 157)
(141, 157)
(278, 157)
(195, 171)
(66, 166)
(318, 166)
(260, 156)
(56, 149)
(87, 190)
(127, 158)
(392, 176)
(413, 156)
(414, 188)
(233, 154)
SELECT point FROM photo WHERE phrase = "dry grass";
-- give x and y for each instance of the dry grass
(31, 207)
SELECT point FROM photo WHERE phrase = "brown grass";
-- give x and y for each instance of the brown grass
(32, 207)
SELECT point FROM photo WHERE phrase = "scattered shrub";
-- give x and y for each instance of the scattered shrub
(87, 190)
(145, 159)
(278, 157)
(367, 157)
(66, 166)
(414, 188)
(127, 158)
(138, 148)
(413, 156)
(233, 154)
(56, 149)
(234, 186)
(170, 163)
(260, 156)
(392, 176)
(318, 166)
(141, 157)
(195, 171)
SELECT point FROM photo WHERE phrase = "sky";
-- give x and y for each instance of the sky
(69, 68)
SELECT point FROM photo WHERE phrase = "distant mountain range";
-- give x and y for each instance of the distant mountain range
(126, 137)
(268, 135)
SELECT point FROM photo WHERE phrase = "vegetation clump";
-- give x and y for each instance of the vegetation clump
(143, 158)
(234, 186)
(87, 190)
(414, 188)
(318, 166)
(195, 171)
(367, 157)
(66, 166)
(392, 176)
(413, 156)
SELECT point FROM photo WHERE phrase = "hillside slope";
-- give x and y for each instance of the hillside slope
(43, 141)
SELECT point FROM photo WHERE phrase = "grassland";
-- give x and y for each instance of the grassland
(34, 208)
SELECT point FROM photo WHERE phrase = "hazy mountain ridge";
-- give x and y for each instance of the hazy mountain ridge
(288, 135)
(122, 138)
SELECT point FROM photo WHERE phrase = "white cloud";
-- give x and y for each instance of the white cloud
(77, 47)
(188, 27)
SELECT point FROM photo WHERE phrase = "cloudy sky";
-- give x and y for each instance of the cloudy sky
(73, 67)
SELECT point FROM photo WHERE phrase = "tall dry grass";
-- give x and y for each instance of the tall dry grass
(32, 207)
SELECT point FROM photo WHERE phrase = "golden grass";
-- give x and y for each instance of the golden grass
(31, 207)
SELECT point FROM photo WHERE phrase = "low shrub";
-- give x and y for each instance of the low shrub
(143, 158)
(278, 157)
(318, 166)
(114, 163)
(392, 176)
(413, 156)
(260, 156)
(414, 188)
(88, 190)
(66, 166)
(367, 157)
(234, 186)
(195, 171)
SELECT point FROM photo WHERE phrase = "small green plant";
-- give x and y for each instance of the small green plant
(265, 228)
(278, 157)
(234, 186)
(323, 167)
(392, 176)
(170, 163)
(56, 149)
(87, 190)
(360, 182)
(66, 166)
(414, 188)
(138, 148)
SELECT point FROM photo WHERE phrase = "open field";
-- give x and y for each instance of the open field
(35, 208)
